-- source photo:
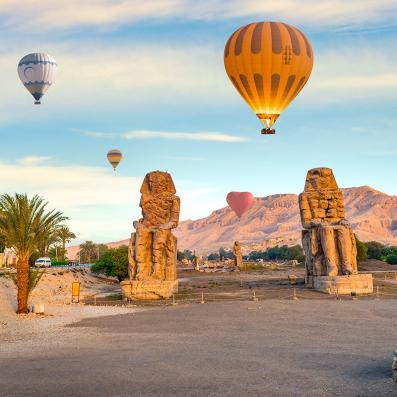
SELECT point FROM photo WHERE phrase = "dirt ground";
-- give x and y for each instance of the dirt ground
(266, 348)
(257, 333)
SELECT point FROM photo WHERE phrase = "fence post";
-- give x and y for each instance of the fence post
(254, 298)
(295, 297)
(202, 298)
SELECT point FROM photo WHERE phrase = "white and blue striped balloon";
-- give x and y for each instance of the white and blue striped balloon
(37, 72)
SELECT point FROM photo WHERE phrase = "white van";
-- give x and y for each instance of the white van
(43, 262)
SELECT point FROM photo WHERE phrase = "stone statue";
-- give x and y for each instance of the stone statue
(238, 258)
(153, 248)
(327, 238)
(196, 261)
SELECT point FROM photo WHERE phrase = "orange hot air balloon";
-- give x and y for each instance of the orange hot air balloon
(268, 63)
(114, 157)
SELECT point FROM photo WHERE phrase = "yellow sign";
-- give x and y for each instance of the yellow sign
(75, 291)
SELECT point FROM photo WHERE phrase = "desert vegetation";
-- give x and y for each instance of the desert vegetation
(27, 228)
(113, 262)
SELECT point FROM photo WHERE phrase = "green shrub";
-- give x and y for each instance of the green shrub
(113, 262)
(362, 250)
(391, 259)
(59, 263)
(375, 250)
(283, 253)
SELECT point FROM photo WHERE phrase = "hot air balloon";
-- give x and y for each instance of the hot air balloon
(240, 202)
(268, 63)
(37, 72)
(114, 157)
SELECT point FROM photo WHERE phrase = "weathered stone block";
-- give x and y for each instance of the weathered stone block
(149, 289)
(344, 285)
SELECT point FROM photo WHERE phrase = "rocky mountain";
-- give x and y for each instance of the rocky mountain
(274, 220)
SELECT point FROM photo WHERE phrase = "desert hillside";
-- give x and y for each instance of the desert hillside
(275, 220)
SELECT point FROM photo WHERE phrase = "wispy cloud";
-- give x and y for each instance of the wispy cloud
(178, 136)
(184, 136)
(30, 161)
(95, 134)
(184, 158)
(64, 14)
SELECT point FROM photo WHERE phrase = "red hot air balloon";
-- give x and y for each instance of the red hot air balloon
(240, 202)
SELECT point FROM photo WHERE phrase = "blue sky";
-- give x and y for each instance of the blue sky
(148, 78)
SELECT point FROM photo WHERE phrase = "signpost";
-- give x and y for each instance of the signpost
(75, 291)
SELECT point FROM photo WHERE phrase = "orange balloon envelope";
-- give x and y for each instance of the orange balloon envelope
(268, 63)
(114, 157)
(240, 202)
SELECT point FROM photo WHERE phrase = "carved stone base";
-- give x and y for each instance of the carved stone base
(148, 290)
(344, 285)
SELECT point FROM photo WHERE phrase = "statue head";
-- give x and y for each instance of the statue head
(320, 179)
(157, 182)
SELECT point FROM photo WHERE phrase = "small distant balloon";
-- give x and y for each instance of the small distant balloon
(240, 202)
(114, 157)
(37, 72)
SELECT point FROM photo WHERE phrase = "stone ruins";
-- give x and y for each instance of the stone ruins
(328, 239)
(153, 247)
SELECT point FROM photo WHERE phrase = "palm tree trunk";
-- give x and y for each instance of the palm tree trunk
(63, 249)
(22, 284)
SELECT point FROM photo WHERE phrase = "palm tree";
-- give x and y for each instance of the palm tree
(24, 224)
(88, 250)
(50, 239)
(65, 236)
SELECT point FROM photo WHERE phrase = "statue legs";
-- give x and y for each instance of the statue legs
(160, 238)
(143, 242)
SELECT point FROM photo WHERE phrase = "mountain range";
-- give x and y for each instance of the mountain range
(274, 220)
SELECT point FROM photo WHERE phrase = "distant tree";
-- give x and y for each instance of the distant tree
(114, 263)
(2, 244)
(88, 251)
(389, 250)
(65, 236)
(100, 250)
(214, 256)
(296, 252)
(282, 253)
(375, 250)
(50, 238)
(56, 252)
(391, 259)
(186, 254)
(362, 250)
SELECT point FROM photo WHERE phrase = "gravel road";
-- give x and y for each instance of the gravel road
(268, 348)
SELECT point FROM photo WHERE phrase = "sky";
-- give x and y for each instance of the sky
(148, 78)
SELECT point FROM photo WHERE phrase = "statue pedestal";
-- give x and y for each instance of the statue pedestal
(148, 289)
(344, 285)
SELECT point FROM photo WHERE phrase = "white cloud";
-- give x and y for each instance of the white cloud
(351, 74)
(63, 14)
(178, 136)
(33, 160)
(100, 203)
(184, 136)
